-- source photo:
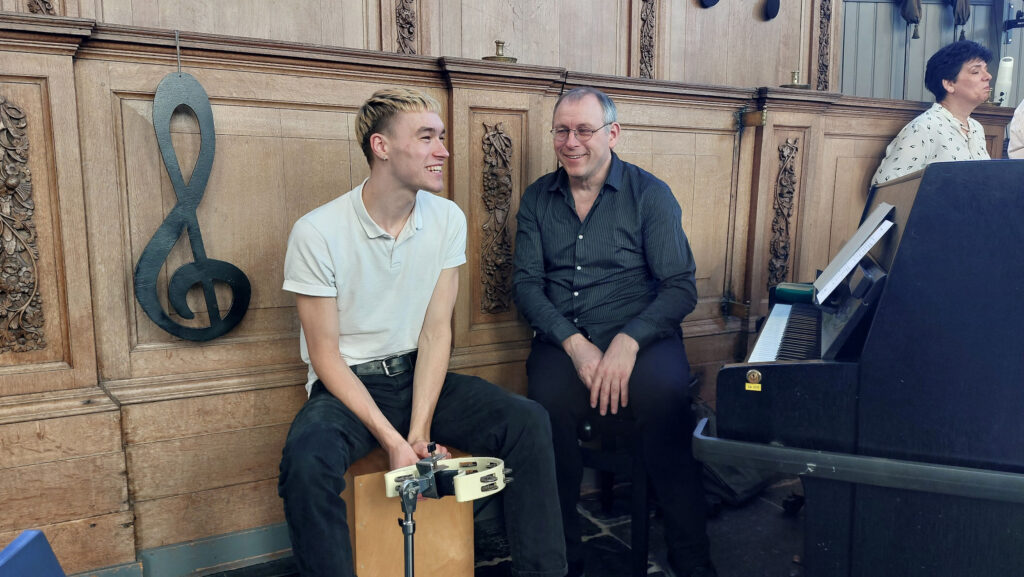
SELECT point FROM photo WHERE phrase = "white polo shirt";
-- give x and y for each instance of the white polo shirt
(382, 284)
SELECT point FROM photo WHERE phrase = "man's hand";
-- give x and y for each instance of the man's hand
(611, 379)
(400, 455)
(585, 357)
(420, 447)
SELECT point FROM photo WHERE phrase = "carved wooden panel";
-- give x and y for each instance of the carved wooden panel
(42, 7)
(45, 7)
(784, 198)
(44, 292)
(21, 307)
(497, 180)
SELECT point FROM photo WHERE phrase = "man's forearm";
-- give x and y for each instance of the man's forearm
(535, 306)
(341, 382)
(431, 368)
(675, 300)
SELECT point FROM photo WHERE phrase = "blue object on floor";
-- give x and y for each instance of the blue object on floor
(29, 555)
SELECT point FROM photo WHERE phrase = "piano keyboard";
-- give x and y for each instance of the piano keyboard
(791, 333)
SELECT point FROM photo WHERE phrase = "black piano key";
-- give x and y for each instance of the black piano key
(802, 337)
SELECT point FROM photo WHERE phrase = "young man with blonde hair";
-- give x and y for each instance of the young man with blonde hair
(375, 277)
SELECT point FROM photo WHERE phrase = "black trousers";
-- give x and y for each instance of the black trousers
(660, 404)
(471, 414)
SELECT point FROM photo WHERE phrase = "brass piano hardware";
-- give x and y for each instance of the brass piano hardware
(754, 376)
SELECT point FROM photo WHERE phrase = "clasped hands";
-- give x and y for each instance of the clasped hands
(606, 375)
(409, 452)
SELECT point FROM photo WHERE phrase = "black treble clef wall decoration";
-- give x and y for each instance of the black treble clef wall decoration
(177, 90)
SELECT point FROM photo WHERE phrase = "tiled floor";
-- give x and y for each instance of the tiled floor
(757, 539)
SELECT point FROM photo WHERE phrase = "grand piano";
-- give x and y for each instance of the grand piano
(897, 392)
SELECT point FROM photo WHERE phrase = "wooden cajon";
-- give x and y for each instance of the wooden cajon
(443, 541)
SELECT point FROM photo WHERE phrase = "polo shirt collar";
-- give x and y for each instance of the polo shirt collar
(613, 181)
(371, 228)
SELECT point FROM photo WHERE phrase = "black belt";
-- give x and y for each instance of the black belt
(390, 366)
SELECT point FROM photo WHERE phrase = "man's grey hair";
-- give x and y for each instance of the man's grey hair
(577, 94)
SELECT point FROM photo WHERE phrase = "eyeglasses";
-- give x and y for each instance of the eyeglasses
(583, 133)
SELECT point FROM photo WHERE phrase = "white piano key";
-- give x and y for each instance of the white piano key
(766, 348)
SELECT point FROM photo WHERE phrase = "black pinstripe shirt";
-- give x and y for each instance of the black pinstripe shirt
(626, 268)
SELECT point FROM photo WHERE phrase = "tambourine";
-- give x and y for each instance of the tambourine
(474, 477)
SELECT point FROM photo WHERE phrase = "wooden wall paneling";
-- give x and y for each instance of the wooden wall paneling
(468, 29)
(200, 514)
(594, 36)
(90, 543)
(39, 494)
(204, 466)
(191, 416)
(202, 462)
(62, 470)
(731, 44)
(41, 86)
(349, 23)
(46, 440)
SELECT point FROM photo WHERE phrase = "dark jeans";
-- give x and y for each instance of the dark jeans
(472, 415)
(660, 404)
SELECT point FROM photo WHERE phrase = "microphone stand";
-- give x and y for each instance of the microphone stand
(433, 480)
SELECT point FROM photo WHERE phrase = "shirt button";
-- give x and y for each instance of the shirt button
(575, 321)
(578, 267)
(575, 293)
(580, 237)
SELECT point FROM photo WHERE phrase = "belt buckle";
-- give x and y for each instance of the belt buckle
(387, 369)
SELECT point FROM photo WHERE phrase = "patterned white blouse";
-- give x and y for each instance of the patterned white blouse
(934, 136)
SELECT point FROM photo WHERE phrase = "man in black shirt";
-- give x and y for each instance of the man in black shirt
(605, 275)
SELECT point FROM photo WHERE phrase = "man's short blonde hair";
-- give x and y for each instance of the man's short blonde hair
(376, 114)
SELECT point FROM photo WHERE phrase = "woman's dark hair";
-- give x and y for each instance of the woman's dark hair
(947, 62)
